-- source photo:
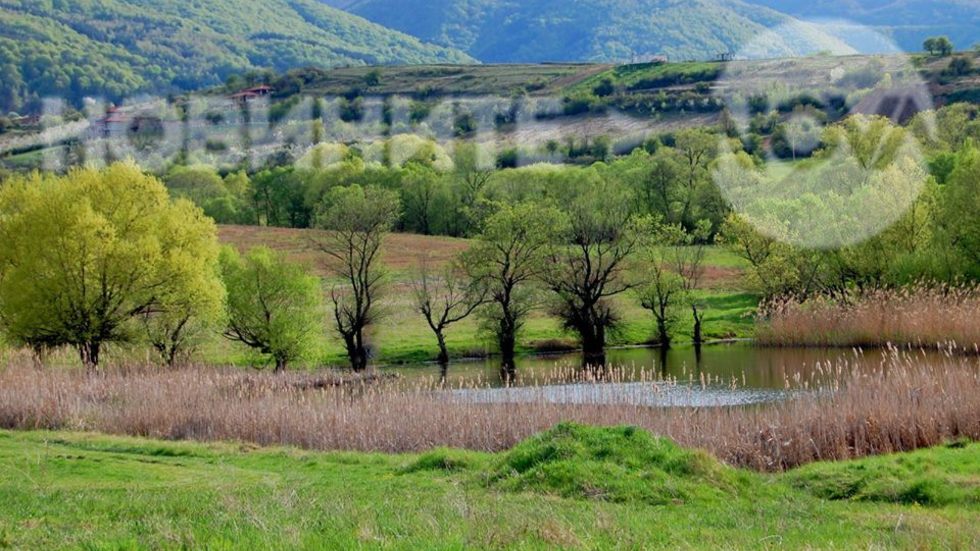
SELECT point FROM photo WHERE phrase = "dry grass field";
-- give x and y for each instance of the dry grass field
(905, 404)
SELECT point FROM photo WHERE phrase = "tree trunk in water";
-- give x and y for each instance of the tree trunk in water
(359, 359)
(594, 347)
(443, 358)
(89, 353)
(356, 353)
(351, 351)
(697, 326)
(508, 345)
(663, 361)
(663, 334)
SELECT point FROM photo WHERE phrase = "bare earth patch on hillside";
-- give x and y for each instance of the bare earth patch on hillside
(402, 252)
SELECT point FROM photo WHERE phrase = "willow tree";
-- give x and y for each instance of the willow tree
(444, 300)
(587, 268)
(506, 261)
(85, 256)
(274, 305)
(357, 220)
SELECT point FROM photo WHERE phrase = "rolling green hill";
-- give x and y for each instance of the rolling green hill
(111, 48)
(508, 31)
(588, 30)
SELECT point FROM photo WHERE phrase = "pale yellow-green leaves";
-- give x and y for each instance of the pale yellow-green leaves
(84, 256)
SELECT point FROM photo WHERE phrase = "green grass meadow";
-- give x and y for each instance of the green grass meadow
(572, 488)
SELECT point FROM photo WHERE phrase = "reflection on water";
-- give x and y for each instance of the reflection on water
(725, 374)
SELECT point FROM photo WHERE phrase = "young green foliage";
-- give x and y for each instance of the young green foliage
(84, 256)
(274, 306)
(506, 260)
(586, 268)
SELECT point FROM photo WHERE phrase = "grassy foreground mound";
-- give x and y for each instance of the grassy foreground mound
(69, 490)
(947, 475)
(621, 464)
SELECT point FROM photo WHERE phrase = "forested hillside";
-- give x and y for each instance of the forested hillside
(611, 30)
(587, 30)
(73, 48)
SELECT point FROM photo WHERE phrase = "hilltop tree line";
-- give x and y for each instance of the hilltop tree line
(73, 50)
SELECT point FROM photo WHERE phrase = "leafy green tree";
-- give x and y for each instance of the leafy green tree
(961, 205)
(280, 197)
(776, 268)
(472, 170)
(227, 200)
(663, 191)
(697, 148)
(675, 268)
(85, 256)
(505, 261)
(274, 306)
(686, 251)
(586, 267)
(959, 66)
(183, 322)
(661, 293)
(938, 45)
(357, 220)
(423, 193)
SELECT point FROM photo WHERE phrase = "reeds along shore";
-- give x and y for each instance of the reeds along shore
(911, 400)
(921, 317)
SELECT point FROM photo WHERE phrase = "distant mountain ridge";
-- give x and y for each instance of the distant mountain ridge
(496, 31)
(499, 31)
(112, 48)
(907, 22)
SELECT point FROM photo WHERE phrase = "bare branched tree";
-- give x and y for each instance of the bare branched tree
(446, 300)
(587, 269)
(357, 220)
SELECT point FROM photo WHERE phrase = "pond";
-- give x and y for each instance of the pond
(716, 375)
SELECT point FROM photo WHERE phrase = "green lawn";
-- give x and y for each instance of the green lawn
(573, 487)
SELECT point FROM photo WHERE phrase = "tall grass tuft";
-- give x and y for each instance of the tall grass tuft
(910, 400)
(919, 317)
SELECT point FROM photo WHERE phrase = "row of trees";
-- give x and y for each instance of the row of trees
(938, 45)
(106, 257)
(443, 194)
(574, 260)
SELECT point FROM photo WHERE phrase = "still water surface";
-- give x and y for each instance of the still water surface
(717, 375)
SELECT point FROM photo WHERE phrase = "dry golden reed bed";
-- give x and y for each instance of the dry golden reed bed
(927, 317)
(907, 402)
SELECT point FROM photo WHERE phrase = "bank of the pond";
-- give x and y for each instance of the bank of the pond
(840, 409)
(572, 487)
(403, 338)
